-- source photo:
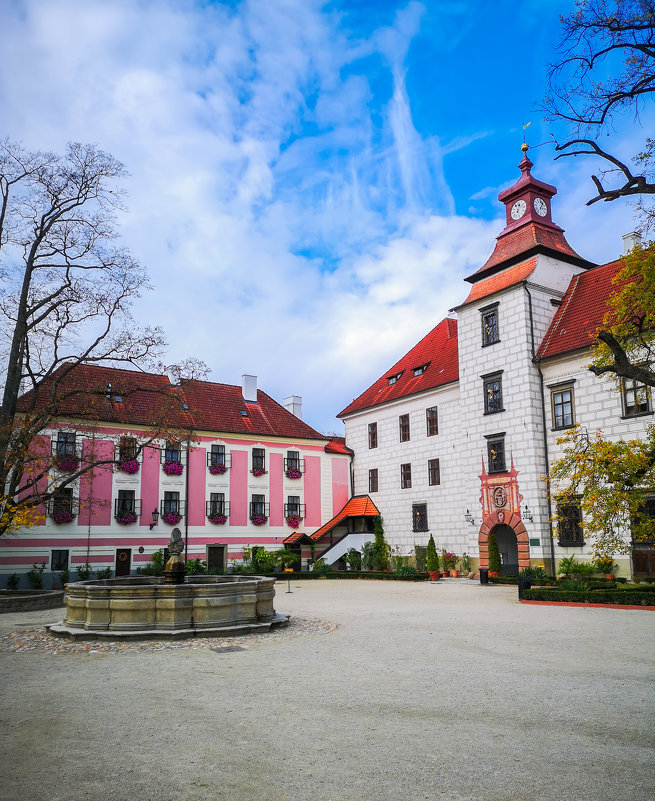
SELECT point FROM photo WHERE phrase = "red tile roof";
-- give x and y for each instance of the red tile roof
(358, 506)
(297, 535)
(525, 241)
(337, 445)
(219, 407)
(581, 312)
(503, 280)
(91, 391)
(146, 399)
(437, 350)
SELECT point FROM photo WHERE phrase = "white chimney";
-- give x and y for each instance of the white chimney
(293, 404)
(630, 241)
(249, 386)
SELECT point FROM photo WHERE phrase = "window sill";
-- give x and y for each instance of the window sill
(567, 544)
(489, 344)
(497, 411)
(638, 414)
(563, 428)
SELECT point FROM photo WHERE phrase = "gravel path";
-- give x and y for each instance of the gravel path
(377, 691)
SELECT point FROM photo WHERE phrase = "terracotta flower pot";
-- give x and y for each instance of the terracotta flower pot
(434, 575)
(454, 573)
(495, 573)
(445, 573)
(609, 576)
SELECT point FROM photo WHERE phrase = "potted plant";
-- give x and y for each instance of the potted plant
(465, 563)
(432, 560)
(495, 565)
(449, 562)
(605, 564)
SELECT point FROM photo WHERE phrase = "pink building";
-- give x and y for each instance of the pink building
(227, 465)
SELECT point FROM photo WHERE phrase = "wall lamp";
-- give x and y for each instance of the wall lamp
(527, 514)
(155, 518)
(469, 518)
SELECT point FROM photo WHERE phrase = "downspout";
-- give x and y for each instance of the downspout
(186, 494)
(537, 362)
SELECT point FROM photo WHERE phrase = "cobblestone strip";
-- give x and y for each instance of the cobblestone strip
(41, 641)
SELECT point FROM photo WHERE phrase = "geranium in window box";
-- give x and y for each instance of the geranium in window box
(293, 521)
(217, 520)
(129, 466)
(293, 473)
(259, 520)
(126, 518)
(62, 517)
(258, 471)
(67, 463)
(172, 518)
(173, 468)
(217, 469)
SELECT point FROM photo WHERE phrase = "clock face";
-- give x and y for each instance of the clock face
(540, 207)
(518, 210)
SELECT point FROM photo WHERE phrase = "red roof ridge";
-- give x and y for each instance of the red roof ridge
(353, 508)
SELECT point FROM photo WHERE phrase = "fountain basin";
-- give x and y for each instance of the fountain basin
(144, 606)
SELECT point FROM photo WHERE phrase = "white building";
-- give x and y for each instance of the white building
(454, 439)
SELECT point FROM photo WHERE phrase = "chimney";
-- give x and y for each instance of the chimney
(249, 386)
(630, 241)
(293, 404)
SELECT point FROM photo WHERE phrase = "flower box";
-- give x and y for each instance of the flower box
(172, 518)
(293, 521)
(258, 471)
(63, 517)
(259, 520)
(217, 469)
(217, 520)
(66, 463)
(129, 466)
(173, 468)
(293, 473)
(126, 518)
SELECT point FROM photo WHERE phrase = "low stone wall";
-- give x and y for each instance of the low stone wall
(145, 604)
(30, 600)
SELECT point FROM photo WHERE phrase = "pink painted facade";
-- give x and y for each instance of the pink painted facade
(107, 494)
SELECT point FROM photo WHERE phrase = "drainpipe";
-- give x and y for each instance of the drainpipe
(186, 499)
(537, 362)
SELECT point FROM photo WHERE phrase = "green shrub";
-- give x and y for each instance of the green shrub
(573, 585)
(154, 568)
(83, 571)
(13, 581)
(465, 563)
(633, 596)
(406, 570)
(105, 573)
(368, 556)
(353, 559)
(495, 565)
(195, 567)
(321, 568)
(420, 554)
(431, 556)
(569, 566)
(533, 573)
(35, 576)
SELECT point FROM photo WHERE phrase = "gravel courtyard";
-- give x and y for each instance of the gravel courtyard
(378, 690)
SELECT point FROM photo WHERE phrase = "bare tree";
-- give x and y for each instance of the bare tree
(607, 68)
(67, 287)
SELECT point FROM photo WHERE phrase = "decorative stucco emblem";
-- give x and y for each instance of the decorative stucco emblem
(500, 496)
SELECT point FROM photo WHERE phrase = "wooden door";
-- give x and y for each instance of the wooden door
(123, 561)
(216, 557)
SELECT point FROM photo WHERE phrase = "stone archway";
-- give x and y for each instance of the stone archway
(498, 518)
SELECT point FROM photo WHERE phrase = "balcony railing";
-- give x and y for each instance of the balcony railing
(173, 508)
(219, 460)
(125, 506)
(259, 509)
(172, 455)
(298, 509)
(298, 465)
(218, 508)
(63, 510)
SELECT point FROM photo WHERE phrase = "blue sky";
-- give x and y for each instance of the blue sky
(310, 181)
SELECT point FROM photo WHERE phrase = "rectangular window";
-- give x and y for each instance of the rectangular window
(258, 459)
(434, 476)
(562, 403)
(125, 502)
(216, 503)
(420, 370)
(172, 452)
(392, 379)
(432, 421)
(403, 423)
(419, 517)
(63, 501)
(636, 398)
(372, 435)
(405, 476)
(127, 449)
(489, 326)
(59, 560)
(65, 444)
(493, 393)
(171, 502)
(373, 480)
(293, 505)
(569, 522)
(258, 505)
(293, 460)
(217, 455)
(496, 454)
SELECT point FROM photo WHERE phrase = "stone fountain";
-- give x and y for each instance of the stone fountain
(174, 606)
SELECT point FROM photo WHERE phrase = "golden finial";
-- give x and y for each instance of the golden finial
(525, 147)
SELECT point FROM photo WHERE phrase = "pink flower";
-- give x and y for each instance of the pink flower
(217, 469)
(172, 518)
(67, 463)
(258, 471)
(130, 466)
(218, 520)
(293, 473)
(63, 517)
(126, 518)
(173, 468)
(259, 520)
(293, 521)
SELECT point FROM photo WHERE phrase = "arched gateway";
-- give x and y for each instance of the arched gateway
(501, 513)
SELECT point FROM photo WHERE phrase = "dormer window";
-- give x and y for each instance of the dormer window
(421, 369)
(393, 378)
